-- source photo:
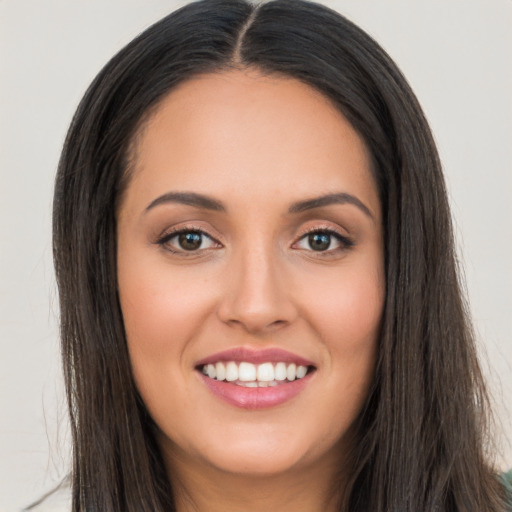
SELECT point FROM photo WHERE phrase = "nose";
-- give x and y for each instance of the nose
(256, 298)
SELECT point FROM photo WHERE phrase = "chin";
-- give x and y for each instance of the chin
(249, 462)
(260, 450)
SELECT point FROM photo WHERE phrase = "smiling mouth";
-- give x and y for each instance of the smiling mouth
(249, 375)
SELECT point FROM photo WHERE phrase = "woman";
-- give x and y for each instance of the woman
(259, 298)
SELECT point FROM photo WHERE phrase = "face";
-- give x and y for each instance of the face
(250, 271)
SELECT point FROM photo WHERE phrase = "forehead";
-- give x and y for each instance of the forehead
(242, 131)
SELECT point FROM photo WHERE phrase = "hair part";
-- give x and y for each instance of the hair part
(421, 434)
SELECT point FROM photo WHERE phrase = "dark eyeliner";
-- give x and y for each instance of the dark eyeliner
(164, 239)
(346, 242)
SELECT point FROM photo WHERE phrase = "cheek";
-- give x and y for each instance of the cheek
(154, 298)
(163, 310)
(347, 316)
(347, 309)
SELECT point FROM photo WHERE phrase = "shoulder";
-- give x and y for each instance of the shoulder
(57, 499)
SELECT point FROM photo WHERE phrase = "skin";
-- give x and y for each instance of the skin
(257, 144)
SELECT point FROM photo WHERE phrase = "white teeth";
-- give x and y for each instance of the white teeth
(246, 372)
(252, 375)
(265, 372)
(220, 369)
(211, 371)
(291, 372)
(301, 372)
(231, 371)
(280, 371)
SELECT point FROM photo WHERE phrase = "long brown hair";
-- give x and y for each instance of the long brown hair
(422, 432)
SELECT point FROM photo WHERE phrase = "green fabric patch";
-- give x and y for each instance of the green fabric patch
(506, 478)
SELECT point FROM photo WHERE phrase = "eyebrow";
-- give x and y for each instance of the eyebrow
(208, 203)
(188, 198)
(340, 198)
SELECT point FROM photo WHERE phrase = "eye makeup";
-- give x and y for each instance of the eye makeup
(187, 241)
(192, 240)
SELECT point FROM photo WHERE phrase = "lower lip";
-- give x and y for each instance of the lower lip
(255, 398)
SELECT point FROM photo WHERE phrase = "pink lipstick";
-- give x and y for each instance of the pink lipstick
(255, 379)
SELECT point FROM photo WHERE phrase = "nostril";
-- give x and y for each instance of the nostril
(256, 300)
(255, 324)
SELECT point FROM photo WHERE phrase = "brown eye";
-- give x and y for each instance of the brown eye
(190, 241)
(324, 240)
(187, 240)
(319, 241)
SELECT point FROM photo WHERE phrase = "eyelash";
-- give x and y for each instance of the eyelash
(345, 242)
(168, 236)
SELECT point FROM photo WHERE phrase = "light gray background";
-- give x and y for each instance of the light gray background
(457, 56)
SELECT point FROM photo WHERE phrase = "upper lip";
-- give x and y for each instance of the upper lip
(255, 356)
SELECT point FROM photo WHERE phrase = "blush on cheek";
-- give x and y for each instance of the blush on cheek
(158, 307)
(352, 312)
